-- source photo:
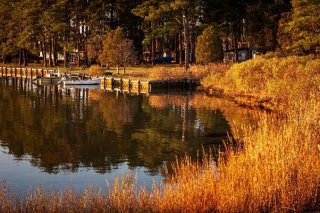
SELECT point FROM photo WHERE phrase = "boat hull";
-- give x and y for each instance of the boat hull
(82, 82)
(50, 80)
(91, 87)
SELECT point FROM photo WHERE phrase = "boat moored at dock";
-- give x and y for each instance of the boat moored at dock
(53, 77)
(85, 81)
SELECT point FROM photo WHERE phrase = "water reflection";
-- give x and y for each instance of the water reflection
(67, 129)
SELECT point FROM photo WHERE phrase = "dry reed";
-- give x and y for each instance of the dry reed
(281, 80)
(276, 168)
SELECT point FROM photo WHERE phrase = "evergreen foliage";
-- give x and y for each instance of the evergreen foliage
(304, 27)
(209, 46)
(34, 30)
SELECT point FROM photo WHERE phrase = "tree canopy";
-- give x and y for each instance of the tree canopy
(117, 49)
(74, 30)
(304, 27)
(209, 46)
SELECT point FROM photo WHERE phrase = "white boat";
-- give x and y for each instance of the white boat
(87, 81)
(90, 87)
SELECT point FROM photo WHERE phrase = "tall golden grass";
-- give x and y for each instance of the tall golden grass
(198, 72)
(276, 169)
(283, 80)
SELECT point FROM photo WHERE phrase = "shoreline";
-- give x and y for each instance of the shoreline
(242, 99)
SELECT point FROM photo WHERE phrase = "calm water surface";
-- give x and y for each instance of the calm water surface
(59, 137)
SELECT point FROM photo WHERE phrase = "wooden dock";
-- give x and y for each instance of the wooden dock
(146, 86)
(126, 85)
(23, 72)
(108, 83)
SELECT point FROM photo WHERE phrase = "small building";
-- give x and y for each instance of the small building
(242, 53)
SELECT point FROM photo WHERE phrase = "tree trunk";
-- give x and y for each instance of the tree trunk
(180, 48)
(78, 58)
(50, 52)
(186, 39)
(39, 50)
(118, 68)
(25, 57)
(152, 51)
(65, 56)
(44, 53)
(236, 48)
(227, 40)
(20, 57)
(4, 58)
(124, 69)
(192, 48)
(54, 53)
(85, 54)
(175, 48)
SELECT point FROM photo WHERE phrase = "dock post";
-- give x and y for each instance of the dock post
(26, 70)
(42, 73)
(126, 84)
(6, 70)
(129, 85)
(31, 72)
(15, 72)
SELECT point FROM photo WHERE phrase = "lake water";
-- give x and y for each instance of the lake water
(59, 137)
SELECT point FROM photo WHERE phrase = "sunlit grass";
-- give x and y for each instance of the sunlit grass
(275, 168)
(278, 82)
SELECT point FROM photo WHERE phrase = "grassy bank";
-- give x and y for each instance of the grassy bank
(272, 82)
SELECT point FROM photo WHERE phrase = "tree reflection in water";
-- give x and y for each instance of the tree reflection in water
(65, 129)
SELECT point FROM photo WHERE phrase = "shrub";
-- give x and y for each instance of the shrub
(95, 70)
(209, 46)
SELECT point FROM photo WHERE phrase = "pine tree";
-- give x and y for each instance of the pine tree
(262, 24)
(304, 27)
(209, 46)
(170, 17)
(31, 31)
(152, 12)
(8, 32)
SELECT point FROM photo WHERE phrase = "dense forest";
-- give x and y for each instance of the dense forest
(73, 31)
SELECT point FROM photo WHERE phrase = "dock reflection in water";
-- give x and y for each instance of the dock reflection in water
(77, 136)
